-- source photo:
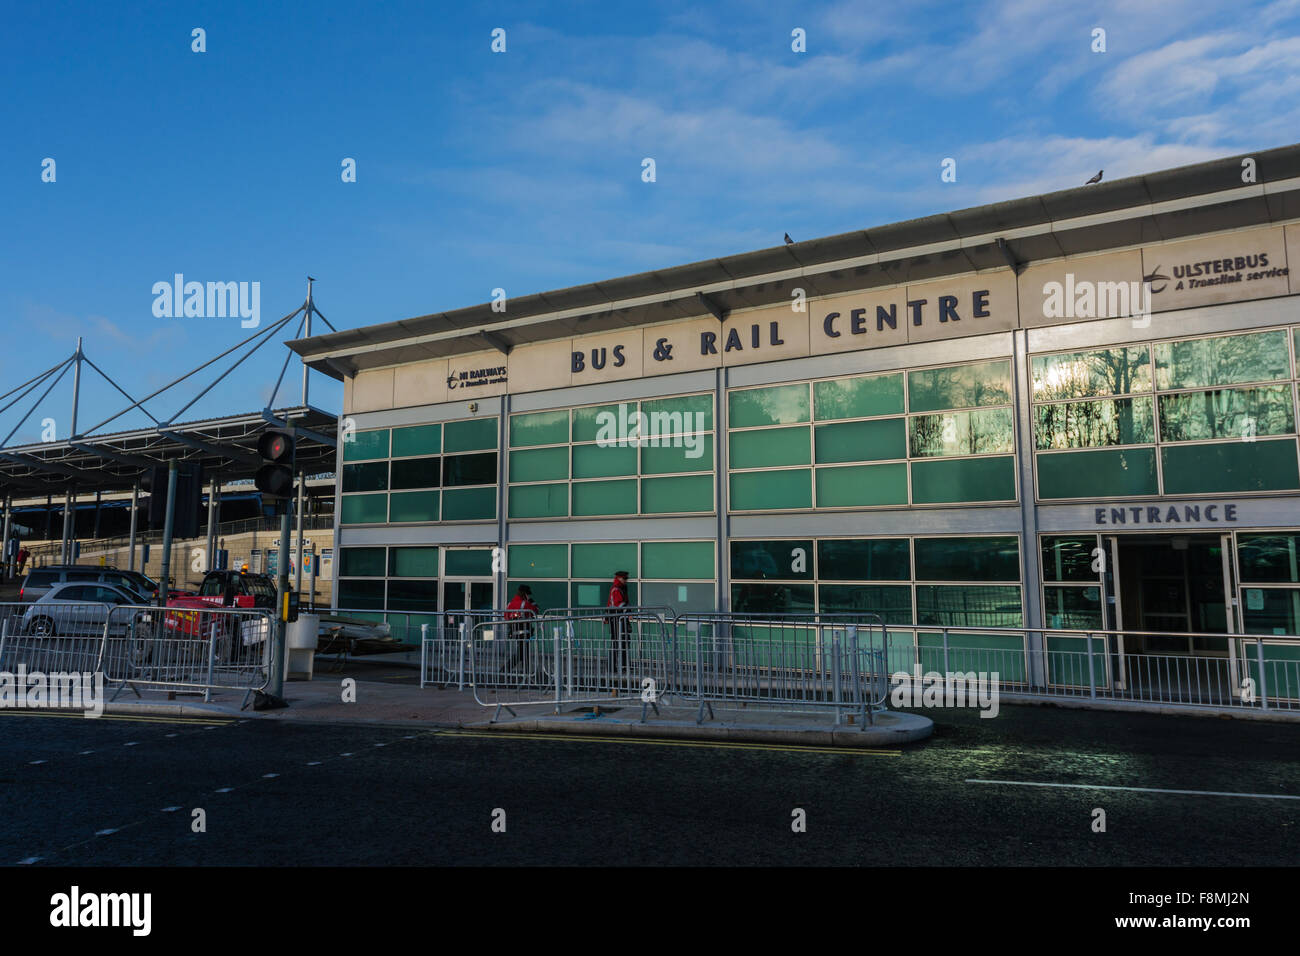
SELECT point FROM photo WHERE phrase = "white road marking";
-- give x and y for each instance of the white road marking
(106, 832)
(1098, 786)
(381, 745)
(314, 763)
(132, 744)
(268, 776)
(170, 735)
(33, 763)
(170, 809)
(225, 789)
(84, 752)
(348, 754)
(29, 860)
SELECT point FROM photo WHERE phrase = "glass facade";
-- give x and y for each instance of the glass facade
(676, 574)
(1210, 415)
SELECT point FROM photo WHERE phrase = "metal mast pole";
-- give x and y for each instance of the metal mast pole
(135, 502)
(306, 333)
(164, 584)
(76, 388)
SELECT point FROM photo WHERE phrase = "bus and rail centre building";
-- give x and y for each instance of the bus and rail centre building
(1077, 410)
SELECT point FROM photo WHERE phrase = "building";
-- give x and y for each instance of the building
(1072, 410)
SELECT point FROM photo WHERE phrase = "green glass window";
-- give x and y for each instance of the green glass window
(1230, 466)
(680, 495)
(962, 433)
(1072, 607)
(546, 594)
(605, 422)
(372, 476)
(416, 472)
(413, 562)
(968, 559)
(678, 559)
(539, 428)
(364, 509)
(472, 434)
(361, 595)
(1273, 558)
(769, 447)
(665, 460)
(676, 416)
(870, 559)
(596, 593)
(1122, 421)
(1272, 611)
(411, 596)
(361, 562)
(539, 464)
(1069, 559)
(539, 501)
(461, 470)
(767, 560)
(1227, 413)
(778, 405)
(538, 561)
(960, 386)
(679, 595)
(602, 560)
(864, 397)
(877, 440)
(417, 440)
(1098, 474)
(1223, 360)
(771, 490)
(892, 602)
(468, 562)
(1118, 371)
(368, 444)
(969, 479)
(414, 506)
(968, 605)
(860, 486)
(604, 498)
(772, 598)
(596, 461)
(469, 504)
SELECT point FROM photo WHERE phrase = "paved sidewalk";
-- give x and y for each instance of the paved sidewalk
(400, 703)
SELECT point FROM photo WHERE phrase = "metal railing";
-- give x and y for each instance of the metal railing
(1221, 671)
(793, 662)
(141, 646)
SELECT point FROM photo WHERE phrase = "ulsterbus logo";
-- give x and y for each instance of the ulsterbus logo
(628, 428)
(217, 300)
(58, 690)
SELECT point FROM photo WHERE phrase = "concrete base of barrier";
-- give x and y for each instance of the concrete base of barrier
(889, 730)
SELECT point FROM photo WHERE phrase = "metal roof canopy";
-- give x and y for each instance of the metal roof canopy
(1157, 207)
(114, 461)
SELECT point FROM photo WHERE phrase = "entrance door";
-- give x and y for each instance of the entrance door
(1167, 585)
(466, 599)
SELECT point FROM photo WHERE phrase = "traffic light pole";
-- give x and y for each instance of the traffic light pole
(276, 683)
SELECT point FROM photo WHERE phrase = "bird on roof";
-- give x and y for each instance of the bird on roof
(788, 240)
(1095, 179)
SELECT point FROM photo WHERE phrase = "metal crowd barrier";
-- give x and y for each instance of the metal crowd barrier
(1250, 671)
(791, 662)
(141, 646)
(444, 647)
(573, 656)
(185, 649)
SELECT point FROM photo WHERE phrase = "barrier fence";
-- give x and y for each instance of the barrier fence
(1234, 672)
(141, 646)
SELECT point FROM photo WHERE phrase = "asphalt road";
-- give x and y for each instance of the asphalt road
(76, 792)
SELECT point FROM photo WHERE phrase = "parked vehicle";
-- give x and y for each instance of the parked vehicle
(40, 580)
(223, 589)
(80, 609)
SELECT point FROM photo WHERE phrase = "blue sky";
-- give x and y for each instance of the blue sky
(522, 170)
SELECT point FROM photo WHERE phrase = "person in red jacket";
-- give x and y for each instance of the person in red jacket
(521, 610)
(618, 622)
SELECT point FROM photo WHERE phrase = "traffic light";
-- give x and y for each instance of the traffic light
(275, 477)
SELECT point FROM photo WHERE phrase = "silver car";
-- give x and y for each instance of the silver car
(80, 609)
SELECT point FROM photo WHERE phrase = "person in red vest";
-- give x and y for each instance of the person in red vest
(23, 555)
(521, 610)
(618, 622)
